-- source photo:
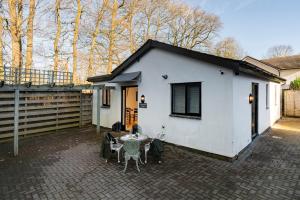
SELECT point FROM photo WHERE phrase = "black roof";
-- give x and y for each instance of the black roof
(236, 65)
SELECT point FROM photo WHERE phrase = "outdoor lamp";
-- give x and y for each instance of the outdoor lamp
(251, 98)
(165, 76)
(143, 98)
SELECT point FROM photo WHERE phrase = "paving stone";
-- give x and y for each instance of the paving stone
(67, 165)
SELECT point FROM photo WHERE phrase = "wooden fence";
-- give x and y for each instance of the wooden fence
(291, 103)
(42, 111)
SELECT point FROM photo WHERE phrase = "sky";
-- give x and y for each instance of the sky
(257, 24)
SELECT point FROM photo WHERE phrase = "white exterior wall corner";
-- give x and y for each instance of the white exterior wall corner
(224, 129)
(242, 87)
(108, 116)
(213, 133)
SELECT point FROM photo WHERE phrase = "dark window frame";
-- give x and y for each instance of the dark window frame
(186, 85)
(106, 101)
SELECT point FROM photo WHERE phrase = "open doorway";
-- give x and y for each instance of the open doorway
(129, 107)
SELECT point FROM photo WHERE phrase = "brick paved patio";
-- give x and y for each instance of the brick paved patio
(66, 165)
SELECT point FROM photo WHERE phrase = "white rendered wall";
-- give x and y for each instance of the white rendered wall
(213, 133)
(225, 127)
(108, 116)
(242, 87)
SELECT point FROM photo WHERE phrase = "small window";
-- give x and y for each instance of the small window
(186, 99)
(267, 96)
(106, 97)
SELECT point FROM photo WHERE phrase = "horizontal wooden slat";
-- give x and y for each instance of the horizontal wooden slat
(40, 101)
(34, 125)
(44, 111)
(39, 107)
(7, 95)
(54, 94)
(43, 118)
(41, 130)
(7, 102)
(50, 101)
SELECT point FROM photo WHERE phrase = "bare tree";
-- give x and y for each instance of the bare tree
(75, 39)
(57, 36)
(1, 45)
(191, 28)
(90, 32)
(94, 35)
(29, 34)
(279, 51)
(15, 13)
(112, 33)
(132, 10)
(228, 48)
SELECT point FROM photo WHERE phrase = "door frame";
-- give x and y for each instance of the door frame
(254, 110)
(123, 116)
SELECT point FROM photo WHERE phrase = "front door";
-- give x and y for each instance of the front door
(254, 112)
(129, 106)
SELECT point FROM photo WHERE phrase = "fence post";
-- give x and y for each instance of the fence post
(16, 76)
(16, 122)
(81, 110)
(52, 78)
(4, 77)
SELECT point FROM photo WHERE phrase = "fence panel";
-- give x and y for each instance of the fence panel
(14, 76)
(291, 107)
(44, 111)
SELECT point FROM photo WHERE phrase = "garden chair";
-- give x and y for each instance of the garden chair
(132, 150)
(114, 145)
(160, 136)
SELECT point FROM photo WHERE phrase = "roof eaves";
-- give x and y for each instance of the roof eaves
(259, 72)
(93, 79)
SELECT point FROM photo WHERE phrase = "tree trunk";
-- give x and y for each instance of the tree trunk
(1, 48)
(75, 39)
(94, 37)
(15, 33)
(57, 36)
(112, 36)
(29, 34)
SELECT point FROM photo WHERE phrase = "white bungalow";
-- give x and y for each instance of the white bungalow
(205, 102)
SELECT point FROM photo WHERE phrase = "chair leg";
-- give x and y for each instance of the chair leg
(137, 165)
(145, 157)
(118, 156)
(126, 162)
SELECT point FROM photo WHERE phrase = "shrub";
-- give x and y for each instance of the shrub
(295, 84)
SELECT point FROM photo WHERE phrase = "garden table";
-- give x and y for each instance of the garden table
(130, 136)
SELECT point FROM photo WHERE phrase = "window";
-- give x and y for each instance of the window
(186, 99)
(106, 97)
(267, 96)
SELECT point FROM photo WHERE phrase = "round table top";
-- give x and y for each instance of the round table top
(133, 137)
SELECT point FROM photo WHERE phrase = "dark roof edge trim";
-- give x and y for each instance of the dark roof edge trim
(219, 61)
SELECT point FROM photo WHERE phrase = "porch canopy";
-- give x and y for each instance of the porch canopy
(126, 77)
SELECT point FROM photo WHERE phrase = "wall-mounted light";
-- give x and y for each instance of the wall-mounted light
(165, 76)
(143, 98)
(251, 98)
